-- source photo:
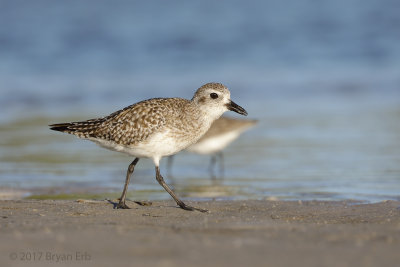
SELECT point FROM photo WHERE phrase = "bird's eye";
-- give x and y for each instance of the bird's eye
(214, 95)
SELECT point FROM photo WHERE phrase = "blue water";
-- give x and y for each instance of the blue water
(322, 78)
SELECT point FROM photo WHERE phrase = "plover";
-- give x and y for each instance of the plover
(222, 132)
(155, 128)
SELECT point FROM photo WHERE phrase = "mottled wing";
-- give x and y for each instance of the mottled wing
(133, 124)
(127, 126)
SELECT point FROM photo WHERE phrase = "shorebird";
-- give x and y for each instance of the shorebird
(222, 132)
(155, 128)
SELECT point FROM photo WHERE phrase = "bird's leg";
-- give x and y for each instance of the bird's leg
(180, 203)
(211, 168)
(121, 204)
(221, 164)
(170, 160)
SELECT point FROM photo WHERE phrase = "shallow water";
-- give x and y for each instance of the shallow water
(322, 79)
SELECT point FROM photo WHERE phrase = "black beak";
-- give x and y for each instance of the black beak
(235, 107)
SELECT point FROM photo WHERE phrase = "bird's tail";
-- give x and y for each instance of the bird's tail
(61, 127)
(82, 129)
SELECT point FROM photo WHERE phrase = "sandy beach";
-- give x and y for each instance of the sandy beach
(233, 233)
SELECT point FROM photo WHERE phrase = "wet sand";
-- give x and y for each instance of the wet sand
(234, 233)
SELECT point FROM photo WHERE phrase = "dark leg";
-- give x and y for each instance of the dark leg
(121, 204)
(180, 203)
(221, 164)
(211, 168)
(170, 160)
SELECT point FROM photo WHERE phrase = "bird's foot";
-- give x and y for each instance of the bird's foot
(122, 205)
(187, 207)
(144, 203)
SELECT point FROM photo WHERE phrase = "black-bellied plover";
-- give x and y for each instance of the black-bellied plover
(155, 128)
(222, 132)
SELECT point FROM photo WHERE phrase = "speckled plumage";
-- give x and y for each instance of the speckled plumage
(183, 119)
(136, 123)
(156, 127)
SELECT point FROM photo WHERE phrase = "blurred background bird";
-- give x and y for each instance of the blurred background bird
(222, 132)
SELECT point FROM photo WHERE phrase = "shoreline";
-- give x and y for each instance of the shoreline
(234, 233)
(101, 193)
